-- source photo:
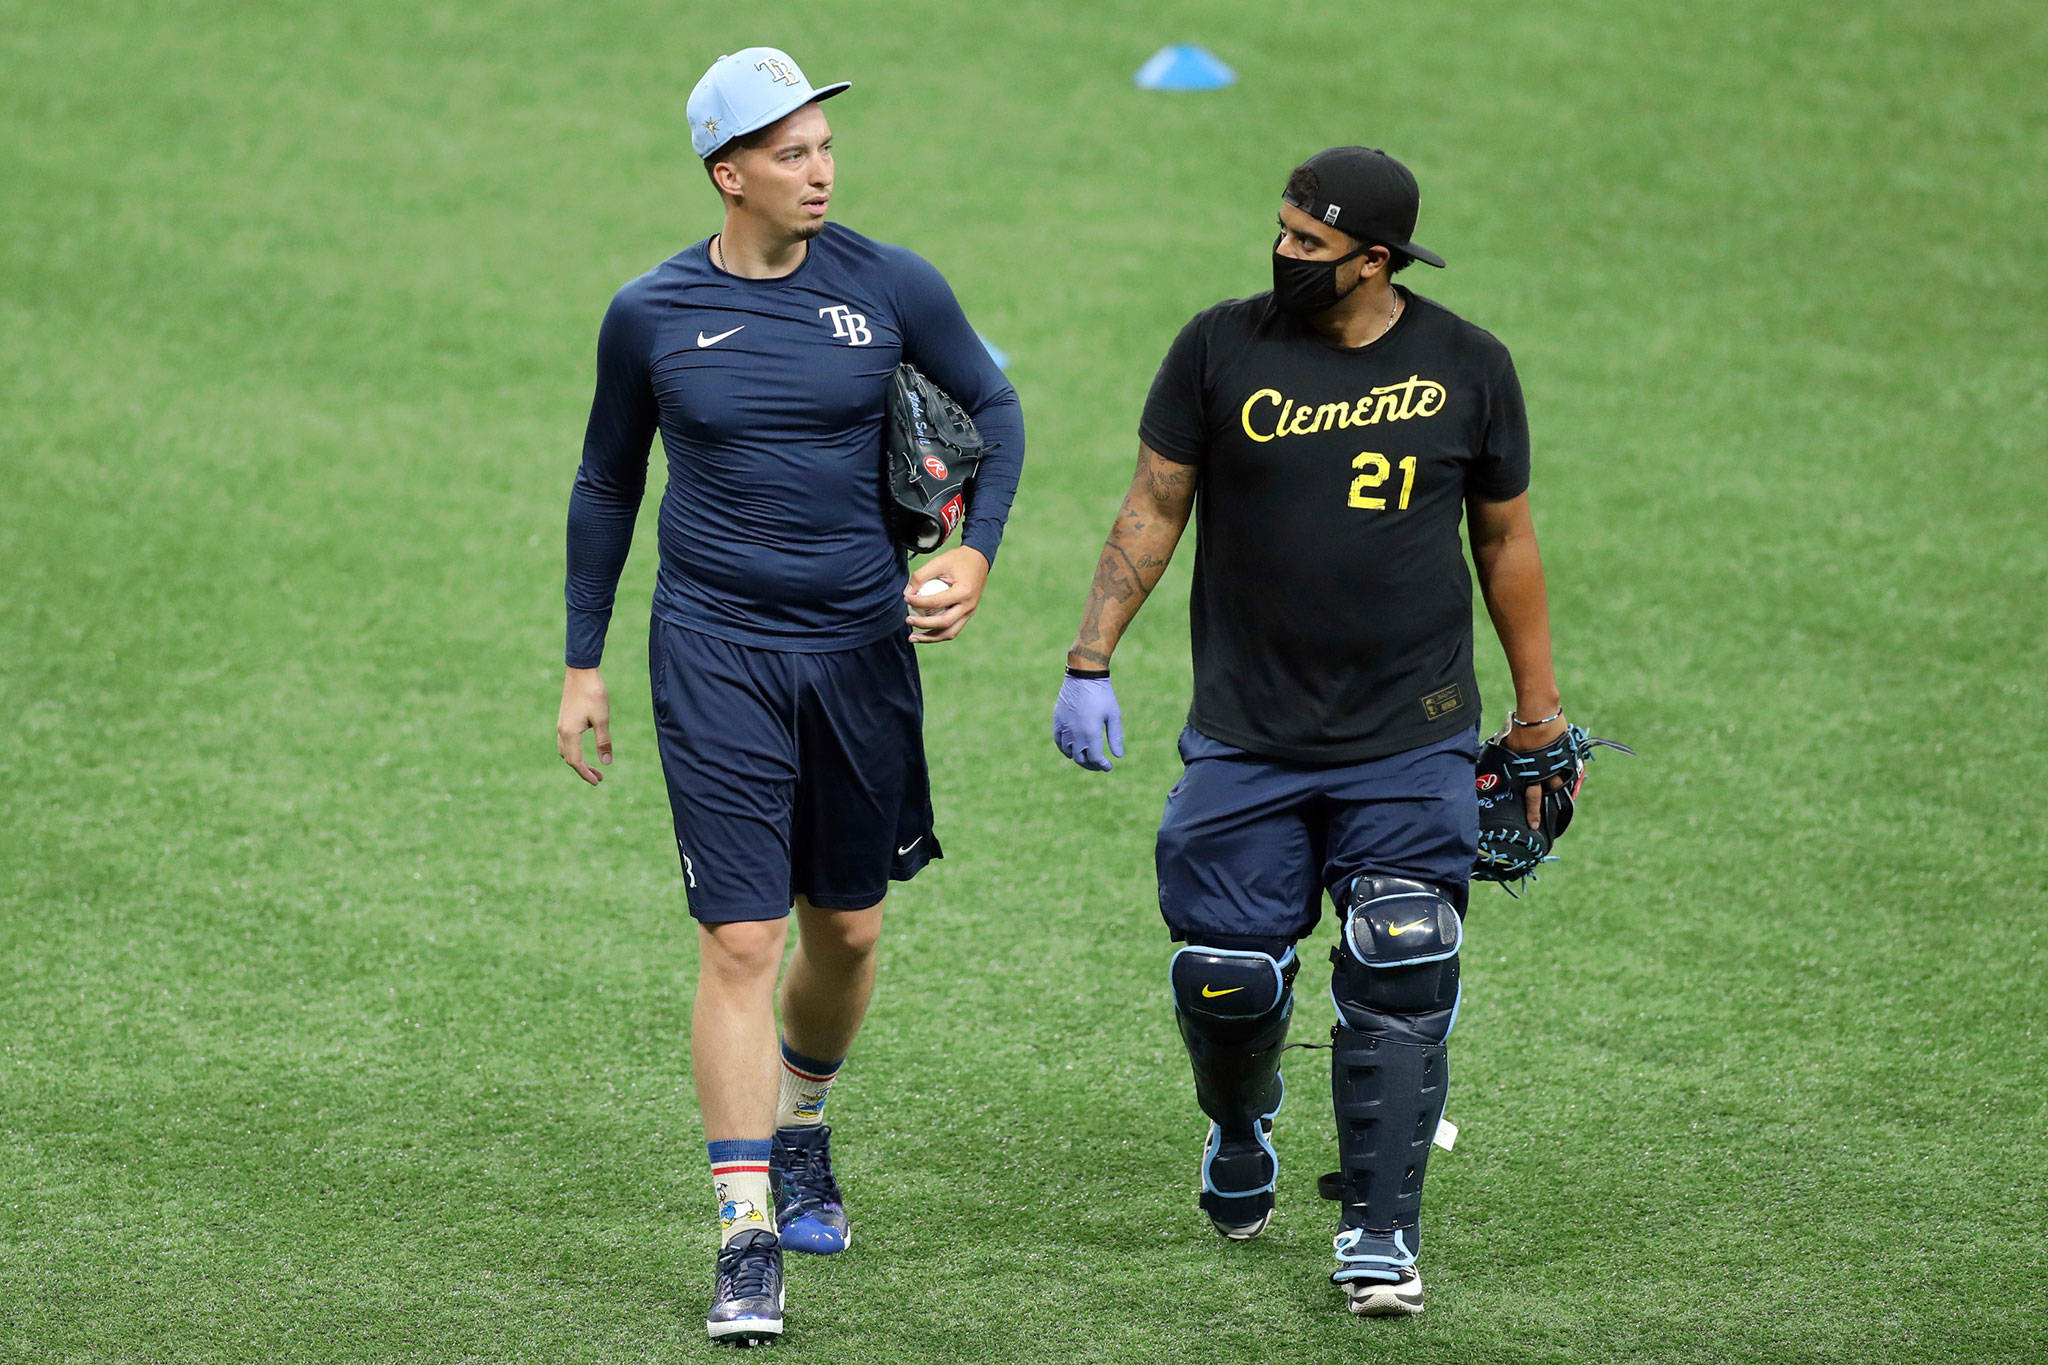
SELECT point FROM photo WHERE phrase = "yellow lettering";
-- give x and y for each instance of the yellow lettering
(1414, 397)
(1269, 395)
(1407, 392)
(1376, 470)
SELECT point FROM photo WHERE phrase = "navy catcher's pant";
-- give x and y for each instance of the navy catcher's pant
(1248, 846)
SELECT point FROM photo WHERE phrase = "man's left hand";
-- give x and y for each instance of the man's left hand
(941, 616)
(1525, 737)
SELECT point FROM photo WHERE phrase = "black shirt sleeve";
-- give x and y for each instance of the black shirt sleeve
(1175, 422)
(938, 340)
(1500, 467)
(610, 481)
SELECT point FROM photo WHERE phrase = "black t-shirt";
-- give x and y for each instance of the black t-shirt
(1332, 610)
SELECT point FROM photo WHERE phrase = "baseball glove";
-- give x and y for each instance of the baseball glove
(933, 451)
(1510, 851)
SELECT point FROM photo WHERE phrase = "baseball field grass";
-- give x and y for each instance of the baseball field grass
(340, 1023)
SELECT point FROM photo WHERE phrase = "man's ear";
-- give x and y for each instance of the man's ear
(1374, 262)
(727, 177)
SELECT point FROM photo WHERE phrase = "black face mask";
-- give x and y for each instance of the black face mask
(1305, 288)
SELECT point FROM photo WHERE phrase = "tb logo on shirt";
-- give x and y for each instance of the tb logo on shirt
(847, 325)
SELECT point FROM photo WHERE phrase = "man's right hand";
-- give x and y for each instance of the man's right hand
(585, 706)
(1086, 709)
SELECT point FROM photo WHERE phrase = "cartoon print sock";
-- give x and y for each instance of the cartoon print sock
(805, 1083)
(739, 1170)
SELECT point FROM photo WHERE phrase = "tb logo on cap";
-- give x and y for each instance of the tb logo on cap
(780, 70)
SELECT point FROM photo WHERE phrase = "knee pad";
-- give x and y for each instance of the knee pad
(1396, 969)
(1233, 1005)
(1231, 984)
(1395, 984)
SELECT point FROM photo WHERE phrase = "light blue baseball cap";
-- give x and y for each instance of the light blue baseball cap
(744, 92)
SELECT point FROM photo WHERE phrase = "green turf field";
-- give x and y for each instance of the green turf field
(340, 1023)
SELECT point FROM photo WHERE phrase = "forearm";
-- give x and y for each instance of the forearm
(1140, 546)
(600, 535)
(1001, 423)
(1511, 580)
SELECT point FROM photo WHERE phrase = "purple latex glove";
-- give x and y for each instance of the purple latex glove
(1086, 708)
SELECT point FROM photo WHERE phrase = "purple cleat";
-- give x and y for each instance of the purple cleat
(746, 1301)
(808, 1207)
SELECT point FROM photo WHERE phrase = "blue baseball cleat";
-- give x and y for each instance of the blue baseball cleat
(808, 1207)
(746, 1303)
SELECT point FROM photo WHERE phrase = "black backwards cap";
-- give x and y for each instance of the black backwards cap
(1363, 192)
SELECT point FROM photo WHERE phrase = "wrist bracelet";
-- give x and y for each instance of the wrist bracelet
(1514, 719)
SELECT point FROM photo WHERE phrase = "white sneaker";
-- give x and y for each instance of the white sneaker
(1242, 1232)
(1378, 1299)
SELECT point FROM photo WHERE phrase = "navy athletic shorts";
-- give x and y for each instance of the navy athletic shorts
(791, 774)
(1248, 846)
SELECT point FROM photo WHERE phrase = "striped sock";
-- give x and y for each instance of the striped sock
(739, 1170)
(805, 1083)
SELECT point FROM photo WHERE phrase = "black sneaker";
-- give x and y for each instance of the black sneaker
(808, 1207)
(746, 1304)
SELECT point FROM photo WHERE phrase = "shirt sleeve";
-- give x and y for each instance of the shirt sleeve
(1500, 470)
(605, 500)
(1176, 418)
(938, 340)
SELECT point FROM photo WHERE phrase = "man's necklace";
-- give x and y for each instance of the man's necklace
(1393, 315)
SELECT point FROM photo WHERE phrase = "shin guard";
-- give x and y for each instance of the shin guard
(1395, 985)
(1233, 1006)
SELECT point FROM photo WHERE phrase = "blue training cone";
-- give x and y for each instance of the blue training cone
(1185, 66)
(995, 352)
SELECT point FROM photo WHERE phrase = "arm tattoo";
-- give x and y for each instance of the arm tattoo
(1171, 484)
(1141, 542)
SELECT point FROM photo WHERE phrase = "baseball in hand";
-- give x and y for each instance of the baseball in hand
(932, 587)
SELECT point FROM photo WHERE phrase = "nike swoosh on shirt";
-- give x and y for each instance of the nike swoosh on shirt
(703, 340)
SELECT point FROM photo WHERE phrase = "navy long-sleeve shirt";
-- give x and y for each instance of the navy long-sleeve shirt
(770, 399)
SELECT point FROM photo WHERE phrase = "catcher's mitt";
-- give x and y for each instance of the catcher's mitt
(1508, 849)
(932, 452)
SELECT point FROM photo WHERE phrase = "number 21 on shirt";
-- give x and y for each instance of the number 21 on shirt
(1377, 471)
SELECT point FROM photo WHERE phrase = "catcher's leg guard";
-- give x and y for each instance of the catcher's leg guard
(1233, 1005)
(1395, 985)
